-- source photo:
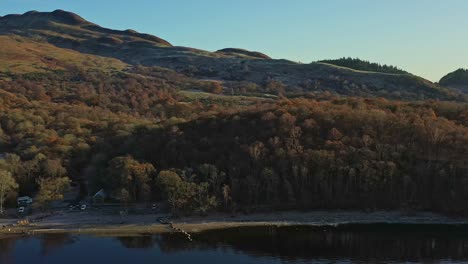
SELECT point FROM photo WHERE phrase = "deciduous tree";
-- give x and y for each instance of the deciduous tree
(7, 185)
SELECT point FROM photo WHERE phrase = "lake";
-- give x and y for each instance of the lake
(293, 244)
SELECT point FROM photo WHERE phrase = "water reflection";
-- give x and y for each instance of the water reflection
(399, 243)
(52, 242)
(7, 245)
(356, 243)
(138, 241)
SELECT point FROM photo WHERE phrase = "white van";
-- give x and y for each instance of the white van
(25, 200)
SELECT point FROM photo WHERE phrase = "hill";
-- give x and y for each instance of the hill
(238, 71)
(243, 52)
(66, 28)
(228, 131)
(457, 80)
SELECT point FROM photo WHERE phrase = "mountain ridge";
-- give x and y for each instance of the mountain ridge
(57, 19)
(232, 66)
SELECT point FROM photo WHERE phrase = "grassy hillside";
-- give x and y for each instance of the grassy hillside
(20, 55)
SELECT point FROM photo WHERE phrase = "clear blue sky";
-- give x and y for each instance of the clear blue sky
(426, 37)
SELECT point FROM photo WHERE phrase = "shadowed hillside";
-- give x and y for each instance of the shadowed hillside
(457, 80)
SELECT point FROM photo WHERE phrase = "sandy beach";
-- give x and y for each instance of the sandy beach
(97, 222)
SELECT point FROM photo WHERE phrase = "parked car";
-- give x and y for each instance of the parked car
(83, 207)
(25, 200)
(21, 210)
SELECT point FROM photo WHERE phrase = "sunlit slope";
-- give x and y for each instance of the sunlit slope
(20, 55)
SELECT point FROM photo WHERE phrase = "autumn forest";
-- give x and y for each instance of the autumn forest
(146, 141)
(201, 136)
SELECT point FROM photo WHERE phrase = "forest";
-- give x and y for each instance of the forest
(456, 78)
(145, 140)
(363, 65)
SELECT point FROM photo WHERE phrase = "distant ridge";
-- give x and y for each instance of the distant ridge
(76, 27)
(35, 18)
(253, 54)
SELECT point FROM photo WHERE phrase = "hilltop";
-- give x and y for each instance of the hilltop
(243, 52)
(457, 80)
(70, 36)
(68, 29)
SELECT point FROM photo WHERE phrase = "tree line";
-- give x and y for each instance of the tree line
(305, 154)
(363, 65)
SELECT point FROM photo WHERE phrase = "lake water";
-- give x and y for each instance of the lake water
(299, 244)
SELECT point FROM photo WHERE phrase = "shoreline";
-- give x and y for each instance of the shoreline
(97, 223)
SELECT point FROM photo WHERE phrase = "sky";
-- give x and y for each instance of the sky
(428, 38)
